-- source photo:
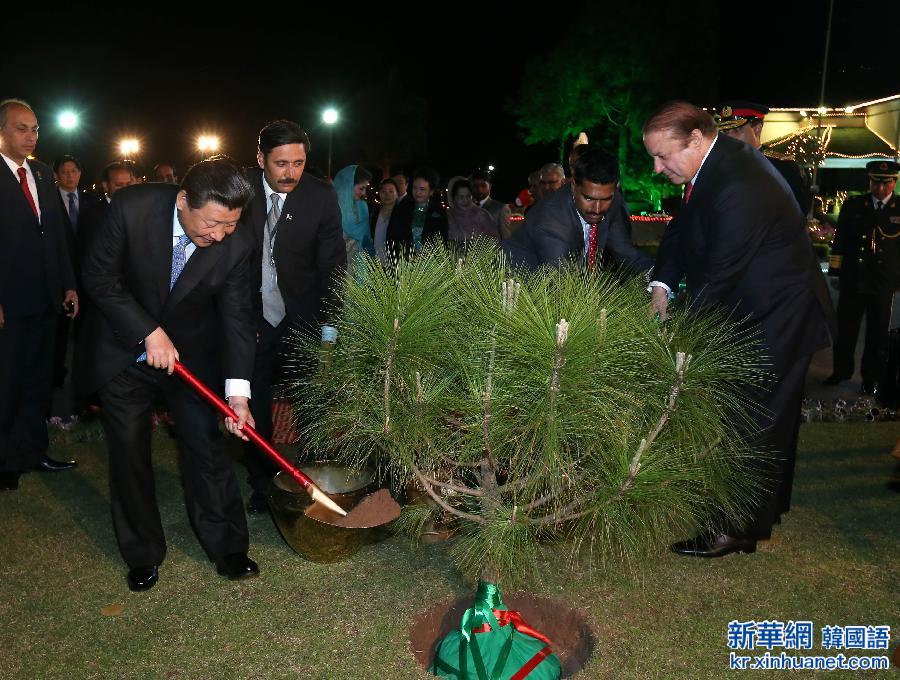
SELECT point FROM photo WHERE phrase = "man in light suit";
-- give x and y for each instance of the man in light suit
(580, 221)
(36, 281)
(300, 255)
(169, 278)
(741, 243)
(481, 194)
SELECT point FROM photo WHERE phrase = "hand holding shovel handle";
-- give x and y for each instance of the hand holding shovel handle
(219, 404)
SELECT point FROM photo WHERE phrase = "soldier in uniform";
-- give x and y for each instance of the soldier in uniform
(744, 121)
(866, 257)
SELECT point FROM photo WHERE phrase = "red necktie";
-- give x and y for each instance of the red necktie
(592, 247)
(23, 180)
(687, 191)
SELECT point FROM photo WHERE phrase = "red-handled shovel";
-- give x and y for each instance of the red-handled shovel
(216, 402)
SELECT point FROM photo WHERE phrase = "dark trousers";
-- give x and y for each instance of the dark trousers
(877, 309)
(267, 371)
(780, 427)
(210, 486)
(26, 374)
(60, 349)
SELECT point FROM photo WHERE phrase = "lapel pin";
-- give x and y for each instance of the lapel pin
(288, 217)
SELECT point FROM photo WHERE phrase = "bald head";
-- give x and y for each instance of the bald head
(18, 130)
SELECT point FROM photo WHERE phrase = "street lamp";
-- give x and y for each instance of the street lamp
(329, 117)
(129, 148)
(68, 121)
(207, 144)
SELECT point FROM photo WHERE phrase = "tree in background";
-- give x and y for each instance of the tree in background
(605, 78)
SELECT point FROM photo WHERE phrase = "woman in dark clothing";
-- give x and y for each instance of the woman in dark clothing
(414, 222)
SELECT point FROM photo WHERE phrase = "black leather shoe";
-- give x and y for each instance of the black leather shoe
(9, 481)
(47, 464)
(718, 545)
(257, 505)
(236, 566)
(834, 379)
(142, 578)
(870, 387)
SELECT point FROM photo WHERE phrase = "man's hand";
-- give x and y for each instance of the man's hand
(71, 304)
(241, 408)
(161, 353)
(659, 302)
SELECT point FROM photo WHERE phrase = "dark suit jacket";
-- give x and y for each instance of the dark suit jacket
(742, 244)
(310, 255)
(90, 221)
(208, 314)
(552, 233)
(35, 270)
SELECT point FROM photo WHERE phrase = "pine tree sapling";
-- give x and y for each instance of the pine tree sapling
(549, 407)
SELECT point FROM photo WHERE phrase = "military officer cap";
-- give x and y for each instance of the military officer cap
(734, 114)
(883, 171)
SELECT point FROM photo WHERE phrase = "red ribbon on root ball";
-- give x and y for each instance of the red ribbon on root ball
(506, 617)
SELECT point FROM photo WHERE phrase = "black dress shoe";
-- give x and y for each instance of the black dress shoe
(9, 481)
(717, 545)
(142, 578)
(257, 505)
(870, 387)
(47, 464)
(833, 379)
(236, 566)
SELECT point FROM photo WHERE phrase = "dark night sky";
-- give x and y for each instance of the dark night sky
(164, 77)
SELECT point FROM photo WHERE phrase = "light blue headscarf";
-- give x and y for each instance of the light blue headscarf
(354, 212)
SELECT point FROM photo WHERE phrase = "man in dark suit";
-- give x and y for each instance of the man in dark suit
(169, 278)
(117, 175)
(75, 202)
(36, 280)
(299, 257)
(740, 240)
(866, 257)
(744, 121)
(580, 221)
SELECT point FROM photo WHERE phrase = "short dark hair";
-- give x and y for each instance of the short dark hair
(481, 175)
(62, 160)
(597, 166)
(389, 180)
(428, 174)
(115, 166)
(281, 132)
(6, 104)
(460, 184)
(218, 179)
(361, 175)
(680, 118)
(400, 171)
(161, 164)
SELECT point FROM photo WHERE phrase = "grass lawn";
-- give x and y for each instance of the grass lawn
(66, 612)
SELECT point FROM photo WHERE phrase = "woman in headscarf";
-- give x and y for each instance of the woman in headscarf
(466, 219)
(351, 184)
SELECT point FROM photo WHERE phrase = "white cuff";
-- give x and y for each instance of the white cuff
(659, 284)
(329, 334)
(236, 387)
